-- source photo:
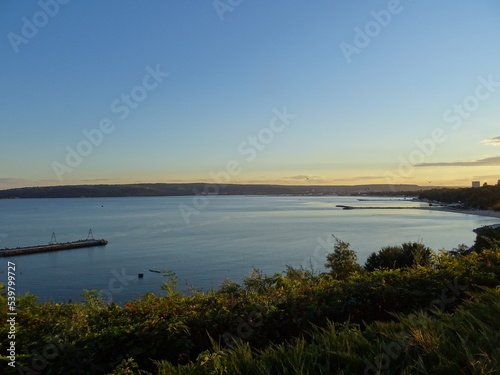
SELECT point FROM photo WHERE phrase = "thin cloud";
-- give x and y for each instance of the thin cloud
(305, 178)
(487, 162)
(11, 180)
(95, 180)
(300, 177)
(287, 180)
(9, 183)
(495, 141)
(362, 178)
(487, 177)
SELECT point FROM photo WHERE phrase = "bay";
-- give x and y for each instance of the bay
(203, 239)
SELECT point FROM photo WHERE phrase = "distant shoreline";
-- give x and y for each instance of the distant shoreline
(202, 188)
(489, 213)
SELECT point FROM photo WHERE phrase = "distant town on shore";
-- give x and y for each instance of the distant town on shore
(486, 197)
(186, 189)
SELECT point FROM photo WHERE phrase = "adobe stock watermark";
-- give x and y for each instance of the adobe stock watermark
(30, 26)
(249, 149)
(117, 284)
(364, 36)
(43, 356)
(122, 107)
(470, 104)
(454, 116)
(223, 6)
(323, 248)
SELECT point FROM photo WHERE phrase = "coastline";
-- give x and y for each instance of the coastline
(464, 211)
(489, 213)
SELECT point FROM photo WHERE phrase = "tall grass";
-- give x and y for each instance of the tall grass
(466, 341)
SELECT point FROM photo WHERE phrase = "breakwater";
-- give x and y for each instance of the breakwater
(344, 207)
(51, 247)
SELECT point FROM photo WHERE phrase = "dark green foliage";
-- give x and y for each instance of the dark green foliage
(485, 198)
(461, 249)
(464, 342)
(487, 237)
(409, 254)
(343, 261)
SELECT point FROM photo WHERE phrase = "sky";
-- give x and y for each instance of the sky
(237, 91)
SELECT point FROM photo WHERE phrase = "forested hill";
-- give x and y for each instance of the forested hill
(485, 198)
(151, 190)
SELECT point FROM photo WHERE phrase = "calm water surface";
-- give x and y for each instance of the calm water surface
(224, 240)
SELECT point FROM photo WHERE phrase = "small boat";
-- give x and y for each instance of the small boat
(155, 271)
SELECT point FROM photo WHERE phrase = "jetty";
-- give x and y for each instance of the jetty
(344, 207)
(53, 246)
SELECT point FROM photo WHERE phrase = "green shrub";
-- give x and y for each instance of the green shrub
(409, 254)
(343, 261)
(487, 237)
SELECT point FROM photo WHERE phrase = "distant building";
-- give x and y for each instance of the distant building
(498, 183)
(476, 183)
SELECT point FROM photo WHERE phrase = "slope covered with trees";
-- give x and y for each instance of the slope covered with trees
(216, 187)
(484, 198)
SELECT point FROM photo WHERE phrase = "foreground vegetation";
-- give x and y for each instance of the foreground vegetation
(408, 310)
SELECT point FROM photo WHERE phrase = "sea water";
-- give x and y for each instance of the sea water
(203, 239)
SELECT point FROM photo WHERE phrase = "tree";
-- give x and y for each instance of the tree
(387, 257)
(487, 237)
(343, 261)
(408, 254)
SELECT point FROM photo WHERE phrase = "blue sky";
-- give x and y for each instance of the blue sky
(368, 92)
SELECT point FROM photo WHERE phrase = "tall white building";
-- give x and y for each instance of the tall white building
(476, 183)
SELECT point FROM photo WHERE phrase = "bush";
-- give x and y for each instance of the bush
(343, 261)
(487, 237)
(408, 254)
